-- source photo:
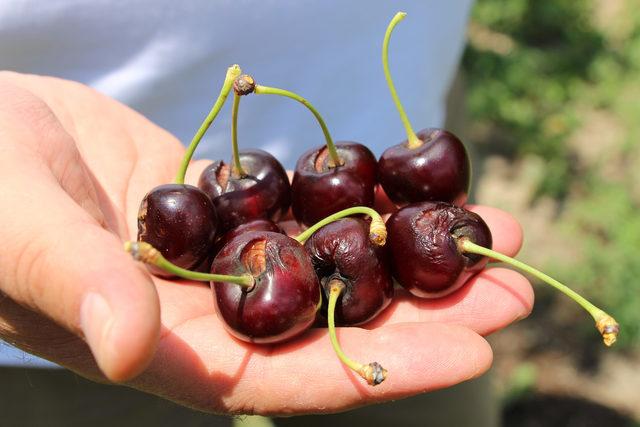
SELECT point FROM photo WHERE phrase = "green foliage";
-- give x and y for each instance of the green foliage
(530, 97)
(526, 94)
(606, 225)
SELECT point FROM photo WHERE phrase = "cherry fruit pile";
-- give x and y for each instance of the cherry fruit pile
(269, 287)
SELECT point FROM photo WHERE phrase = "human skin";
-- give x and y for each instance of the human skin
(74, 166)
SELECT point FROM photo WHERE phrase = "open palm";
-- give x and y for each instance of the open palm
(74, 166)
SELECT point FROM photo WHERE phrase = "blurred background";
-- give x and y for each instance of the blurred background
(551, 106)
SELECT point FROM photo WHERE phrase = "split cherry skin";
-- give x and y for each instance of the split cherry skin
(329, 178)
(254, 186)
(437, 247)
(253, 225)
(179, 219)
(431, 165)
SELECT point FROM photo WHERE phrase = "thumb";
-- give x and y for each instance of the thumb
(56, 257)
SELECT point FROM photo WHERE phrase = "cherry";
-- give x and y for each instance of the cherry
(353, 269)
(179, 219)
(425, 257)
(261, 191)
(430, 165)
(286, 294)
(342, 251)
(255, 186)
(264, 286)
(329, 178)
(437, 247)
(320, 189)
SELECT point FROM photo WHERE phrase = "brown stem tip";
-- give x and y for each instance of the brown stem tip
(244, 85)
(609, 330)
(142, 251)
(378, 232)
(374, 373)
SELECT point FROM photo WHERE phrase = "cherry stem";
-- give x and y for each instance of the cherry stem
(373, 372)
(143, 251)
(333, 152)
(377, 229)
(232, 73)
(606, 325)
(412, 139)
(237, 167)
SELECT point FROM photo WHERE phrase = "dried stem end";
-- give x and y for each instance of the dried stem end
(373, 373)
(378, 232)
(142, 251)
(244, 85)
(609, 329)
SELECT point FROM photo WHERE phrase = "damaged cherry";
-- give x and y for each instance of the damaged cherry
(437, 247)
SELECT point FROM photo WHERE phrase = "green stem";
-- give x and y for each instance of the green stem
(265, 90)
(142, 251)
(373, 373)
(334, 293)
(412, 140)
(377, 229)
(601, 317)
(237, 169)
(232, 73)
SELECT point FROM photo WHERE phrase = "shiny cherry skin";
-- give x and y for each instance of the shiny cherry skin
(181, 222)
(285, 297)
(342, 250)
(422, 241)
(438, 170)
(320, 189)
(264, 192)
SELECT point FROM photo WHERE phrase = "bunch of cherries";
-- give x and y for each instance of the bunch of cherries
(269, 287)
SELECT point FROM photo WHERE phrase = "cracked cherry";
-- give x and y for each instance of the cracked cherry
(431, 165)
(285, 297)
(329, 178)
(343, 251)
(254, 186)
(320, 187)
(262, 190)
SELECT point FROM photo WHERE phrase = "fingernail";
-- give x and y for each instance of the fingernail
(96, 319)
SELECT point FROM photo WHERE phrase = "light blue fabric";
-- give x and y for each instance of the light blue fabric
(167, 59)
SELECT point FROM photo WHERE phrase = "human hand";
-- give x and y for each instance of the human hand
(75, 166)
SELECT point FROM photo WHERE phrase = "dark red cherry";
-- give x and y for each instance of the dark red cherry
(320, 188)
(343, 250)
(425, 257)
(180, 221)
(285, 297)
(437, 170)
(263, 192)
